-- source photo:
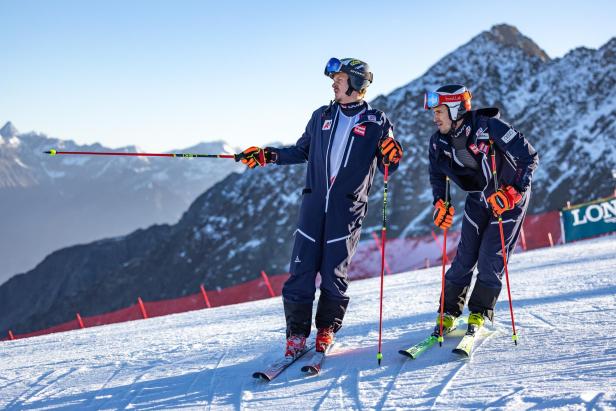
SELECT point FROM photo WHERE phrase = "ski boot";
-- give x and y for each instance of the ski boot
(325, 338)
(295, 345)
(475, 322)
(449, 324)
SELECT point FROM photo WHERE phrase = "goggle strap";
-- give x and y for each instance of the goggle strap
(447, 98)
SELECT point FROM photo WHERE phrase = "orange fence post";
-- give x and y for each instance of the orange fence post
(523, 239)
(11, 336)
(550, 239)
(144, 314)
(80, 321)
(204, 294)
(378, 244)
(267, 283)
(439, 244)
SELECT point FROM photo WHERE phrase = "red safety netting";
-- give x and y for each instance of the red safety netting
(176, 305)
(539, 227)
(129, 313)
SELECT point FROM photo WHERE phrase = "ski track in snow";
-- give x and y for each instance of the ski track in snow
(564, 302)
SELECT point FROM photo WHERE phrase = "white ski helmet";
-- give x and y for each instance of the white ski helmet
(456, 97)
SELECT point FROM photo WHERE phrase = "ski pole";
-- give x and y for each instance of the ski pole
(514, 337)
(440, 337)
(379, 355)
(52, 152)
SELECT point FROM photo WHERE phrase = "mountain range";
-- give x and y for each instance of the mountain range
(47, 203)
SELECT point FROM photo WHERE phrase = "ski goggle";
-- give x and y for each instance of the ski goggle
(333, 66)
(433, 99)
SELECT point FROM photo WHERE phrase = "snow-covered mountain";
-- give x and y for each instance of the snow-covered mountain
(47, 203)
(245, 223)
(565, 107)
(565, 358)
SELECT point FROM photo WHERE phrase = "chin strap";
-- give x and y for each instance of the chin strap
(350, 89)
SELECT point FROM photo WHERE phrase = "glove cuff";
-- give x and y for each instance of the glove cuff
(512, 195)
(271, 156)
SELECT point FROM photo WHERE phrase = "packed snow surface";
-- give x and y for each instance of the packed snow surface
(565, 309)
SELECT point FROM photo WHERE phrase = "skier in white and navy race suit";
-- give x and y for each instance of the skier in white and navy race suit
(461, 149)
(344, 143)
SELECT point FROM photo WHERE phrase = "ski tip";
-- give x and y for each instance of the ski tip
(406, 354)
(310, 369)
(460, 352)
(51, 152)
(261, 376)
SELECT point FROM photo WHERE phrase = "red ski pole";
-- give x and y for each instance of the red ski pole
(514, 337)
(440, 337)
(379, 355)
(52, 152)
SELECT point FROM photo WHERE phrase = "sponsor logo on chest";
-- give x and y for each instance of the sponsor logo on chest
(474, 148)
(327, 124)
(359, 130)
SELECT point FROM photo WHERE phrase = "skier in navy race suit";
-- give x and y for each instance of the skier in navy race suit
(344, 143)
(461, 149)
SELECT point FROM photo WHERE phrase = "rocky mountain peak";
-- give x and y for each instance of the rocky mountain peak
(510, 36)
(8, 130)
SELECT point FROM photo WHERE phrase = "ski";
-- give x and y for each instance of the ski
(277, 367)
(465, 346)
(316, 361)
(419, 348)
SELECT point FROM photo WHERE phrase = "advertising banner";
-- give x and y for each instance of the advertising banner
(590, 219)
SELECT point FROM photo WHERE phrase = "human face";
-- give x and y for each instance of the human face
(441, 119)
(340, 86)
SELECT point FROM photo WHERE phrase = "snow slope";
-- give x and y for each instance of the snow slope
(565, 306)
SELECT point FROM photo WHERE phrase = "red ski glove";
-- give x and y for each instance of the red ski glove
(391, 150)
(256, 156)
(504, 199)
(443, 215)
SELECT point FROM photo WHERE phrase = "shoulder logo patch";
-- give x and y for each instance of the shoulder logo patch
(509, 135)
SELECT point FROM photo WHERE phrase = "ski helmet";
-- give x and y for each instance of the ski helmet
(456, 97)
(358, 71)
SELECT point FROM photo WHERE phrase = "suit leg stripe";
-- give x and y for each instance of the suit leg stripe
(306, 235)
(338, 239)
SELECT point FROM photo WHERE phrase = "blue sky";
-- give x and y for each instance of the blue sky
(165, 75)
